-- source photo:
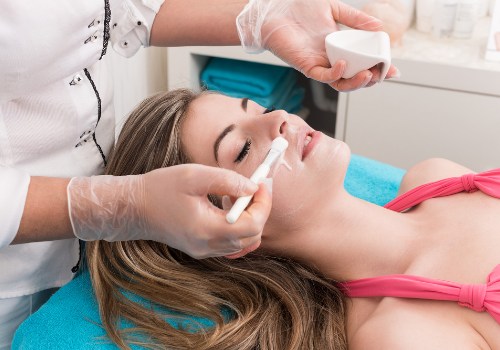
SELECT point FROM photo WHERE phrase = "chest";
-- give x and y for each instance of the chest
(460, 240)
(430, 324)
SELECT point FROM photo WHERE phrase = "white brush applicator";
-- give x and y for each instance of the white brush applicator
(278, 147)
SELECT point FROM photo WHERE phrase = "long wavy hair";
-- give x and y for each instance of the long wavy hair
(254, 302)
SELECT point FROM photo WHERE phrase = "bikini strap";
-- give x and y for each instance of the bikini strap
(487, 182)
(478, 297)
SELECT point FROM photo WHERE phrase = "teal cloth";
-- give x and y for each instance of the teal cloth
(291, 102)
(70, 319)
(371, 180)
(267, 85)
(255, 79)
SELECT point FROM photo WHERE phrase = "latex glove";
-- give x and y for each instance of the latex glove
(295, 31)
(169, 205)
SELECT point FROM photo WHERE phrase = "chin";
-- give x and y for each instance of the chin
(336, 152)
(344, 153)
(333, 161)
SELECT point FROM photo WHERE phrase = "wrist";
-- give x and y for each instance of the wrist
(106, 207)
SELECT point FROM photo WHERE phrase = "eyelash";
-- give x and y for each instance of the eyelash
(269, 110)
(248, 142)
(244, 151)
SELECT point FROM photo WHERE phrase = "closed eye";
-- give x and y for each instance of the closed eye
(244, 151)
(246, 147)
(269, 110)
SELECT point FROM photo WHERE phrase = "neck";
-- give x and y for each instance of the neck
(351, 239)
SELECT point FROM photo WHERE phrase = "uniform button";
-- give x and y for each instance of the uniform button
(124, 44)
(95, 22)
(77, 79)
(92, 38)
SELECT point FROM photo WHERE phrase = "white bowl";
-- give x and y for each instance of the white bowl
(360, 49)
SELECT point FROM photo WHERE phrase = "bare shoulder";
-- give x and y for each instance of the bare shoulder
(408, 329)
(430, 170)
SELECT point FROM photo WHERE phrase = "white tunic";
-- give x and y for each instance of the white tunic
(56, 113)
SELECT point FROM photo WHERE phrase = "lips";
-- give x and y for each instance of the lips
(310, 141)
(307, 140)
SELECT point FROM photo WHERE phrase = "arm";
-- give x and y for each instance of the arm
(159, 205)
(45, 216)
(293, 30)
(194, 22)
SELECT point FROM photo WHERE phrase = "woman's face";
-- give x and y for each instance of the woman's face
(237, 133)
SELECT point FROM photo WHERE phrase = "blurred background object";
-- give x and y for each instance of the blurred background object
(396, 15)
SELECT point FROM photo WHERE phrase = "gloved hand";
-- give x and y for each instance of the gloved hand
(169, 205)
(295, 31)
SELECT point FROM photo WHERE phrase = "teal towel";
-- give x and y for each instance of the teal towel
(267, 85)
(279, 97)
(70, 319)
(249, 78)
(293, 103)
(371, 180)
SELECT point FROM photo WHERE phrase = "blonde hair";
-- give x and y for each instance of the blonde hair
(255, 302)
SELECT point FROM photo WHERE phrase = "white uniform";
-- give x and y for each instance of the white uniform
(56, 114)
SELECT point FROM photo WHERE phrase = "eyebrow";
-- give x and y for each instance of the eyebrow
(219, 140)
(244, 103)
(227, 130)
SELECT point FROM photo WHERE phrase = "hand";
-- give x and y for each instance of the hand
(170, 205)
(295, 31)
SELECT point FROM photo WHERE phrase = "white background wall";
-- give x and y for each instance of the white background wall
(136, 78)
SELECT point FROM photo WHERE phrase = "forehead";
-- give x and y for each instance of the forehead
(207, 118)
(213, 103)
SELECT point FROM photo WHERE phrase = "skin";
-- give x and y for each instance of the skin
(319, 223)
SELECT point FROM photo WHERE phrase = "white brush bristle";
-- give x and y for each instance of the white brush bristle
(279, 144)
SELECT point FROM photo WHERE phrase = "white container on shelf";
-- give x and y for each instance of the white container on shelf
(465, 19)
(396, 15)
(443, 18)
(482, 8)
(425, 11)
(493, 45)
(492, 7)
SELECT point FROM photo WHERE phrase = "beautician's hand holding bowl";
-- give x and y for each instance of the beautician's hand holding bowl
(170, 205)
(295, 31)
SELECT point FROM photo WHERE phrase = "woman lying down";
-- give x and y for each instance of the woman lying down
(332, 271)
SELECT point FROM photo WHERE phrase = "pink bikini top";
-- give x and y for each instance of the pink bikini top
(478, 297)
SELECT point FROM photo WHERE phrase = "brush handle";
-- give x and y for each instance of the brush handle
(242, 202)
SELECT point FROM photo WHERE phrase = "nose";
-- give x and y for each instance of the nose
(278, 123)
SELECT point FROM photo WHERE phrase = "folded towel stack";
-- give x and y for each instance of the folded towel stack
(268, 85)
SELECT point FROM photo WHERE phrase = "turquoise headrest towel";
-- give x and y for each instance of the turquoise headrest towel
(70, 319)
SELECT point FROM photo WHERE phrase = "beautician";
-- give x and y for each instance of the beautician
(57, 130)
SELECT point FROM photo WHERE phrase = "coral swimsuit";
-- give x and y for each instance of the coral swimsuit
(478, 297)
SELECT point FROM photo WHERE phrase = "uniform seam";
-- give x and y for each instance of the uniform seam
(87, 74)
(106, 35)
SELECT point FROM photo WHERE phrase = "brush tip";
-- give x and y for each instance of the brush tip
(279, 144)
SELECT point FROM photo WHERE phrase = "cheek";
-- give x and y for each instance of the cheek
(291, 191)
